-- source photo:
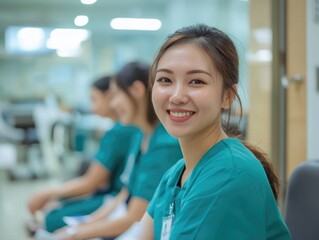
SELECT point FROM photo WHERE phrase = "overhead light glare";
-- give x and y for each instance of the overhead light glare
(62, 43)
(144, 24)
(81, 20)
(68, 52)
(67, 40)
(87, 2)
(69, 33)
(30, 38)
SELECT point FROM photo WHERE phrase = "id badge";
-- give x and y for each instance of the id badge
(166, 227)
(167, 223)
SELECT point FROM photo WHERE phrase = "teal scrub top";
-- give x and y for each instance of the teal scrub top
(112, 153)
(145, 169)
(227, 196)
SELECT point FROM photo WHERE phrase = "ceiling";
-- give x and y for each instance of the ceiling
(172, 13)
(61, 13)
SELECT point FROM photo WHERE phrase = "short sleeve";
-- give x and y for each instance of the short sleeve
(151, 206)
(113, 152)
(107, 152)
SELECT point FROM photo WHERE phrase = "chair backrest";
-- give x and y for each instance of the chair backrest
(302, 202)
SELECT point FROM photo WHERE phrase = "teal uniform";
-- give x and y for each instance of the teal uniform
(112, 155)
(145, 169)
(227, 196)
(113, 152)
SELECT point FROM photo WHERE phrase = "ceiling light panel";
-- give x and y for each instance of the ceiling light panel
(88, 1)
(81, 20)
(144, 24)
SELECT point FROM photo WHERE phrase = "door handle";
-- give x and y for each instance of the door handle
(296, 79)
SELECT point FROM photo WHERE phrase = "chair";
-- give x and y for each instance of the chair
(302, 202)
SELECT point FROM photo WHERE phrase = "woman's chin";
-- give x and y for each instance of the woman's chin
(177, 132)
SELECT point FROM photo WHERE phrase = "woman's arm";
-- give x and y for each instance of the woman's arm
(108, 208)
(111, 228)
(147, 227)
(88, 183)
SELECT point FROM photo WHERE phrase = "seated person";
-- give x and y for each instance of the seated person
(105, 169)
(152, 153)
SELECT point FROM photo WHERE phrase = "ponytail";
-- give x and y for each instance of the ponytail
(268, 167)
(232, 129)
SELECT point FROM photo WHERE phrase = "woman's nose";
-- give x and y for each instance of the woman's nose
(113, 103)
(179, 95)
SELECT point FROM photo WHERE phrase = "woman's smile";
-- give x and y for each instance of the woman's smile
(180, 115)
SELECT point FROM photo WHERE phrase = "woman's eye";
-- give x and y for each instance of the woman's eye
(196, 81)
(164, 80)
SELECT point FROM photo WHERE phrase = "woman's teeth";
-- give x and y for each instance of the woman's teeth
(180, 114)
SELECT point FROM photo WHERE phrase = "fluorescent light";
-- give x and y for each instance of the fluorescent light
(147, 24)
(88, 1)
(67, 42)
(63, 43)
(68, 52)
(69, 33)
(64, 38)
(81, 20)
(30, 38)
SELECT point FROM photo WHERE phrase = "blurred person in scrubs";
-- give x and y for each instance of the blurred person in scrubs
(80, 195)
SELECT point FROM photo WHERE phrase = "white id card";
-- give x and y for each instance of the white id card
(166, 227)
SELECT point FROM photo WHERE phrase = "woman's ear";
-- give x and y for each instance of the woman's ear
(138, 89)
(229, 96)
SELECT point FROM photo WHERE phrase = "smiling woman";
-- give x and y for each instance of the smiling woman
(183, 87)
(195, 77)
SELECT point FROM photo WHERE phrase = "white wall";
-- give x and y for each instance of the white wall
(312, 88)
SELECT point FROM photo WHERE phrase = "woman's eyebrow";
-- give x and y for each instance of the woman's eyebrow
(164, 70)
(189, 72)
(199, 71)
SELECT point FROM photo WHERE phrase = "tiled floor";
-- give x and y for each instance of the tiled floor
(13, 211)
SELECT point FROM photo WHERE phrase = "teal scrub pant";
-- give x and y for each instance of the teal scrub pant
(54, 219)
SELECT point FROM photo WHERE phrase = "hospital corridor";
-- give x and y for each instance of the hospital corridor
(159, 120)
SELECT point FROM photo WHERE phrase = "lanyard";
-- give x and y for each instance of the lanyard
(168, 221)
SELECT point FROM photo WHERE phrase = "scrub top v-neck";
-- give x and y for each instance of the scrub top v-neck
(227, 196)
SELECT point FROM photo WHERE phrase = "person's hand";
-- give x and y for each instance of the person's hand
(38, 200)
(65, 233)
(67, 237)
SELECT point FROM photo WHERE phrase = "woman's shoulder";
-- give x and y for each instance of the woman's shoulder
(234, 155)
(121, 129)
(232, 160)
(120, 135)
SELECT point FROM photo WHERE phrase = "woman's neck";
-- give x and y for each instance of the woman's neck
(195, 147)
(141, 119)
(146, 127)
(147, 130)
(113, 117)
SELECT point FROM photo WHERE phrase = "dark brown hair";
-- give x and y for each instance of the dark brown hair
(127, 75)
(102, 83)
(222, 51)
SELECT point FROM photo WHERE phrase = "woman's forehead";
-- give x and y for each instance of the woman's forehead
(189, 55)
